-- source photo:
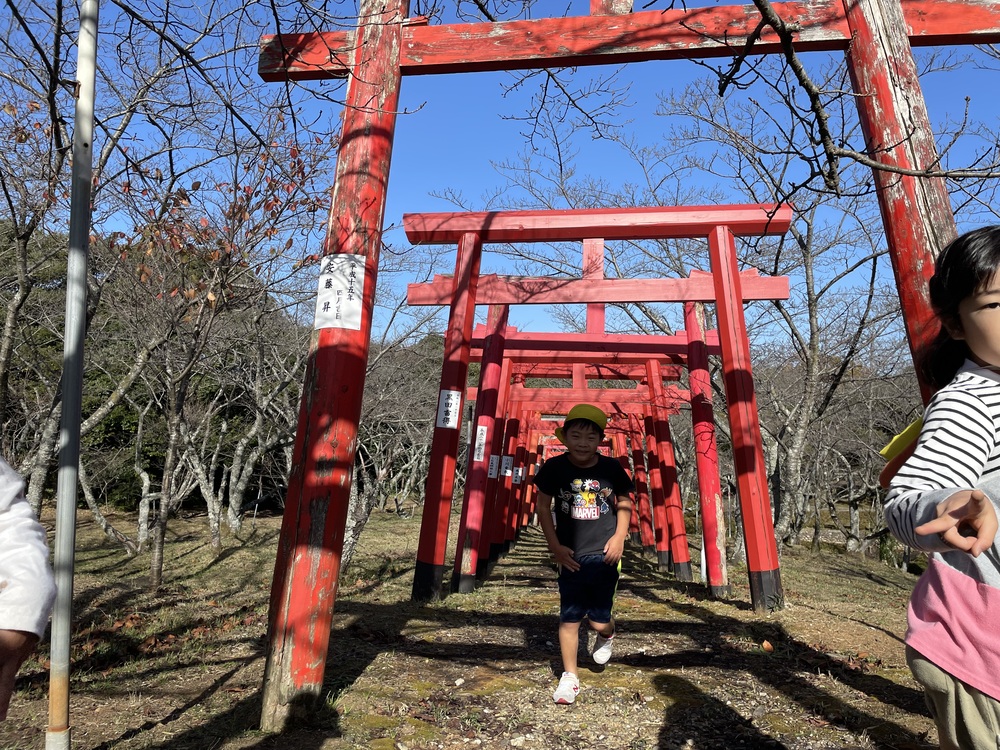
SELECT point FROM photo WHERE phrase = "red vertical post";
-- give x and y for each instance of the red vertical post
(619, 447)
(528, 481)
(643, 502)
(488, 553)
(744, 426)
(713, 522)
(507, 519)
(471, 523)
(661, 535)
(520, 474)
(916, 211)
(680, 557)
(307, 565)
(593, 268)
(428, 575)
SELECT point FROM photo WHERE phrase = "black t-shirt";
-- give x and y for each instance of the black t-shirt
(584, 500)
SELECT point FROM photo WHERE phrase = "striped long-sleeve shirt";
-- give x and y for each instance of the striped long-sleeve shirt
(955, 606)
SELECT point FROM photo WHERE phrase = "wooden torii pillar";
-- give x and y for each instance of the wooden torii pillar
(384, 47)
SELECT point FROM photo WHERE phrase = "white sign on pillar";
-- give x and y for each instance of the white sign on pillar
(494, 467)
(449, 409)
(480, 451)
(339, 301)
(507, 466)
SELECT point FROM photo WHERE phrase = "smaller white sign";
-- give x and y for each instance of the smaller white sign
(507, 466)
(494, 466)
(518, 473)
(449, 409)
(480, 451)
(340, 298)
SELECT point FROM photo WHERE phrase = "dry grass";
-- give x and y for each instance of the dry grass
(182, 669)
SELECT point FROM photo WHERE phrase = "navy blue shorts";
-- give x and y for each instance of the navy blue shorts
(588, 592)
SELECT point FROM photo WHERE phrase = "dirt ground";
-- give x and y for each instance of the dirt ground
(183, 668)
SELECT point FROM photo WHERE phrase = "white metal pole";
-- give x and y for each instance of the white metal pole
(58, 735)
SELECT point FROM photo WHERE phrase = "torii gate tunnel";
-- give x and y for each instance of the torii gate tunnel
(725, 287)
(874, 34)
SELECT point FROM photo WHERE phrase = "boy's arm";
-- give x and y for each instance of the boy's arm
(562, 554)
(616, 544)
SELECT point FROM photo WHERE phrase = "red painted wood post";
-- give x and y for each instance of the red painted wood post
(661, 527)
(619, 449)
(713, 522)
(916, 211)
(483, 425)
(643, 502)
(493, 514)
(744, 426)
(307, 565)
(680, 556)
(528, 482)
(428, 575)
(520, 474)
(535, 452)
(507, 522)
(593, 268)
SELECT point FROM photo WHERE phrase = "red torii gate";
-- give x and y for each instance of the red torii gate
(719, 224)
(643, 401)
(536, 357)
(671, 547)
(916, 215)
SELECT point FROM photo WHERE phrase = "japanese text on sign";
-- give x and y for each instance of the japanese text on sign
(480, 451)
(494, 467)
(449, 409)
(340, 298)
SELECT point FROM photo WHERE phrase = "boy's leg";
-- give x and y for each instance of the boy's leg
(604, 585)
(569, 645)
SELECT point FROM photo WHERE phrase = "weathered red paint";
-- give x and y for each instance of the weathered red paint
(444, 446)
(673, 509)
(512, 290)
(660, 34)
(680, 555)
(643, 501)
(492, 510)
(744, 427)
(706, 453)
(916, 211)
(484, 426)
(641, 223)
(661, 527)
(307, 565)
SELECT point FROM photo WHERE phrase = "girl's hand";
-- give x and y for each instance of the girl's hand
(564, 557)
(966, 521)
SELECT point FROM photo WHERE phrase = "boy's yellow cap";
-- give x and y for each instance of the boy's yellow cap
(583, 411)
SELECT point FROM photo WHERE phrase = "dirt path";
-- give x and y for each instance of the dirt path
(478, 670)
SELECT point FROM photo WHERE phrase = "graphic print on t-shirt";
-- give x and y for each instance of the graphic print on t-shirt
(586, 500)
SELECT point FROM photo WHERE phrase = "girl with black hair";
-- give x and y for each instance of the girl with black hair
(943, 501)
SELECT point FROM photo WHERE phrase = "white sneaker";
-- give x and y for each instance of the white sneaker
(569, 686)
(602, 648)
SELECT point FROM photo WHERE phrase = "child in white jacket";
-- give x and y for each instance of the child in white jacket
(27, 588)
